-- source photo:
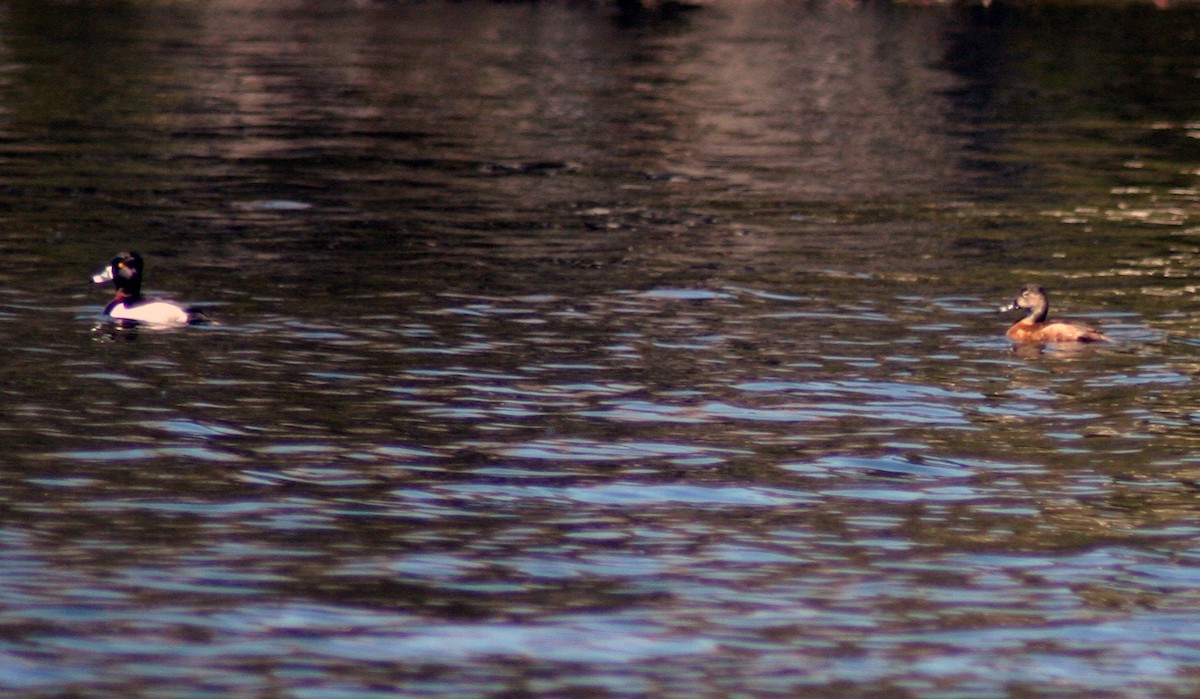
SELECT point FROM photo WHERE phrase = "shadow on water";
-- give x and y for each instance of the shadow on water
(570, 350)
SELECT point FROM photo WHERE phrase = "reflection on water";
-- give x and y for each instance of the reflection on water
(565, 353)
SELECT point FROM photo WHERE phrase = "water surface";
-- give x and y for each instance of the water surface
(569, 353)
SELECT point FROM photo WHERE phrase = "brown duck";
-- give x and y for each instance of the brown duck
(1035, 327)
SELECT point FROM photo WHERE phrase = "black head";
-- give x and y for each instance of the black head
(125, 272)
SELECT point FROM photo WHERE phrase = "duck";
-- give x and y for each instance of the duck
(126, 271)
(1035, 328)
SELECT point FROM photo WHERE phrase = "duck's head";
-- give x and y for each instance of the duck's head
(1031, 298)
(125, 272)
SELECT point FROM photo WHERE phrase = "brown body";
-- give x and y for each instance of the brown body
(1035, 327)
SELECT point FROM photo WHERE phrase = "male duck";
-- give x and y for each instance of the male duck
(125, 272)
(1035, 328)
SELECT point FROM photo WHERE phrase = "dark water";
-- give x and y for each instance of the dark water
(565, 353)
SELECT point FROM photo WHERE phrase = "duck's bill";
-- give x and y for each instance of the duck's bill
(1010, 307)
(103, 276)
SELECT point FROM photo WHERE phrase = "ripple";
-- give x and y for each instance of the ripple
(859, 387)
(194, 428)
(585, 450)
(896, 466)
(896, 495)
(700, 496)
(684, 295)
(274, 205)
(189, 452)
(579, 640)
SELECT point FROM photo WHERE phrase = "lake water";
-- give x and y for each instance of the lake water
(569, 353)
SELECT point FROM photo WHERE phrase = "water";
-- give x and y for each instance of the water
(566, 353)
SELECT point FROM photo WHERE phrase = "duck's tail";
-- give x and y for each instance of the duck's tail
(198, 316)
